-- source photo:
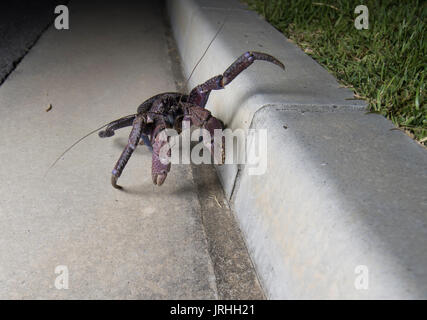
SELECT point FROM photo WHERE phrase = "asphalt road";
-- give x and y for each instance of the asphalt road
(21, 24)
(146, 242)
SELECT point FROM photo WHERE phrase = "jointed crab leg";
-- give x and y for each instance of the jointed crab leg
(160, 163)
(160, 169)
(202, 118)
(117, 124)
(121, 123)
(200, 94)
(134, 137)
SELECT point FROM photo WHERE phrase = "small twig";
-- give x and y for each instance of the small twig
(408, 128)
(326, 4)
(214, 197)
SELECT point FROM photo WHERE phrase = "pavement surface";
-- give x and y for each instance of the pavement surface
(146, 242)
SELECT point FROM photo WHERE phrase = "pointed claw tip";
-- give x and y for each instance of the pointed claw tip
(114, 183)
(267, 57)
(278, 63)
(159, 178)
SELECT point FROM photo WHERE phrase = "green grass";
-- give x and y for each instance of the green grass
(385, 64)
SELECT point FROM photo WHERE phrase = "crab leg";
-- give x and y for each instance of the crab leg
(134, 137)
(160, 169)
(200, 94)
(201, 117)
(117, 124)
(160, 165)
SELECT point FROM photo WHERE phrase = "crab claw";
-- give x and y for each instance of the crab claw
(106, 133)
(217, 144)
(160, 159)
(159, 178)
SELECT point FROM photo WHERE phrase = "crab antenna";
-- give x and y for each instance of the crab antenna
(204, 53)
(70, 147)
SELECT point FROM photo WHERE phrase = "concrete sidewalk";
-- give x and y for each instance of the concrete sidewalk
(343, 200)
(147, 242)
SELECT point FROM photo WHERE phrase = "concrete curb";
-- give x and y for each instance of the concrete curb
(343, 200)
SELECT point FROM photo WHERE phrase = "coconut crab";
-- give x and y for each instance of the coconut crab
(168, 110)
